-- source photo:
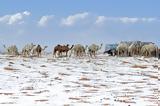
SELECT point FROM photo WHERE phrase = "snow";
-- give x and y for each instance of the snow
(102, 81)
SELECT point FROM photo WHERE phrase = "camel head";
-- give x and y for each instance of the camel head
(45, 47)
(100, 46)
(32, 45)
(86, 46)
(4, 46)
(71, 47)
(67, 45)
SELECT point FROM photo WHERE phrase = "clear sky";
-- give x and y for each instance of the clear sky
(49, 22)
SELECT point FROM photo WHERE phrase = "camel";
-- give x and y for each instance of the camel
(43, 49)
(122, 48)
(149, 50)
(62, 49)
(92, 49)
(111, 49)
(11, 50)
(26, 51)
(159, 53)
(37, 50)
(111, 52)
(134, 48)
(79, 50)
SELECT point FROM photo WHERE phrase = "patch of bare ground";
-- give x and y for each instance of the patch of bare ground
(49, 60)
(75, 98)
(140, 82)
(126, 62)
(24, 92)
(9, 59)
(125, 100)
(67, 86)
(151, 76)
(43, 66)
(139, 66)
(45, 75)
(105, 104)
(103, 85)
(22, 65)
(26, 66)
(155, 66)
(99, 63)
(29, 95)
(14, 97)
(86, 96)
(58, 78)
(10, 69)
(83, 78)
(6, 93)
(128, 82)
(67, 91)
(68, 68)
(89, 86)
(28, 88)
(11, 62)
(39, 92)
(25, 60)
(84, 101)
(64, 74)
(8, 103)
(91, 90)
(75, 82)
(66, 105)
(151, 84)
(41, 100)
(150, 97)
(138, 87)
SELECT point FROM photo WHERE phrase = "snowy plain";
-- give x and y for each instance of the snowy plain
(102, 81)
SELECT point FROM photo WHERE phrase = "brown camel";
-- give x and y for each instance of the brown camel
(38, 50)
(62, 49)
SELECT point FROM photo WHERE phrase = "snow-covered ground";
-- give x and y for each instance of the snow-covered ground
(104, 81)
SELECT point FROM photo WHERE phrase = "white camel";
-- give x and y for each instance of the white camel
(150, 50)
(122, 48)
(92, 49)
(26, 51)
(79, 50)
(11, 50)
(134, 48)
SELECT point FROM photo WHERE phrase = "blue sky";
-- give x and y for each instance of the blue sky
(49, 22)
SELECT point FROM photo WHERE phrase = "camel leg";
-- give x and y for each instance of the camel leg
(38, 54)
(59, 53)
(118, 52)
(66, 54)
(53, 54)
(90, 54)
(94, 53)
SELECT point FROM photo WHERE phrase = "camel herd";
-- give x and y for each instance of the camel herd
(28, 50)
(134, 48)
